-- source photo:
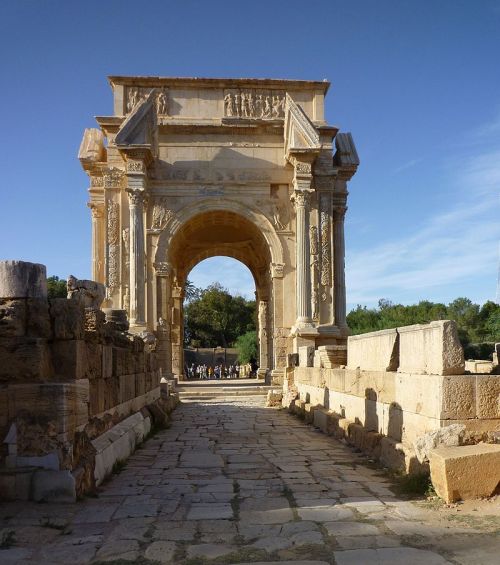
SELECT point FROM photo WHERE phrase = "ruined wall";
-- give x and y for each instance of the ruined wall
(68, 373)
(385, 412)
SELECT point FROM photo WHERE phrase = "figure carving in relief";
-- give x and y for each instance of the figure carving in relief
(162, 103)
(259, 106)
(126, 244)
(250, 104)
(237, 103)
(276, 106)
(229, 105)
(267, 113)
(161, 215)
(132, 98)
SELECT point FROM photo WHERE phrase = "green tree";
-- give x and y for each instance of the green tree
(216, 318)
(248, 347)
(56, 287)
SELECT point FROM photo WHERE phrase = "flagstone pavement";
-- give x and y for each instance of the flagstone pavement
(234, 482)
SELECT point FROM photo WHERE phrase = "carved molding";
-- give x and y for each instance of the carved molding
(134, 166)
(96, 182)
(254, 103)
(136, 197)
(113, 178)
(97, 210)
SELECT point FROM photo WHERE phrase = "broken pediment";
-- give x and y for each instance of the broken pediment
(139, 128)
(300, 134)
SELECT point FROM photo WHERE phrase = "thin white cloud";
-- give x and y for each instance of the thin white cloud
(407, 165)
(454, 246)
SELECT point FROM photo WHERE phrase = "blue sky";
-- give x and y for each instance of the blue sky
(417, 83)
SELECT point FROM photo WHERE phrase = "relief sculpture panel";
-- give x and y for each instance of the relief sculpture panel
(254, 103)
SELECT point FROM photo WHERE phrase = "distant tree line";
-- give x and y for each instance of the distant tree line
(478, 326)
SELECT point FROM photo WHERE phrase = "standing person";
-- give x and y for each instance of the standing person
(237, 370)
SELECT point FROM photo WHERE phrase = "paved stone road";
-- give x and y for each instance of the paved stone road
(233, 482)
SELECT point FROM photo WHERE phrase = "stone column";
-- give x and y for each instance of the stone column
(97, 241)
(163, 317)
(263, 337)
(137, 257)
(301, 199)
(339, 265)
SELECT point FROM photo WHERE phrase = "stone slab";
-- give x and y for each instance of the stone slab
(374, 351)
(465, 472)
(432, 349)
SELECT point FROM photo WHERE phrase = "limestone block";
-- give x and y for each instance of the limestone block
(374, 351)
(24, 358)
(12, 317)
(306, 356)
(458, 397)
(332, 355)
(479, 366)
(127, 387)
(15, 483)
(317, 359)
(88, 293)
(21, 279)
(107, 361)
(466, 472)
(488, 396)
(68, 318)
(96, 396)
(38, 318)
(448, 436)
(53, 486)
(94, 360)
(431, 349)
(70, 359)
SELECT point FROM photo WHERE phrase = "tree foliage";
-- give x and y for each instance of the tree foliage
(213, 317)
(56, 287)
(476, 324)
(248, 347)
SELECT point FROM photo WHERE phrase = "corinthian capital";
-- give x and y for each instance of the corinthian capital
(135, 196)
(301, 198)
(97, 210)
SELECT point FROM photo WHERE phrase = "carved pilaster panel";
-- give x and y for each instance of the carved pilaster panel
(313, 239)
(326, 254)
(113, 246)
(280, 344)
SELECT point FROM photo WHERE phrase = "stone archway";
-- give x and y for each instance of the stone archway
(257, 154)
(226, 229)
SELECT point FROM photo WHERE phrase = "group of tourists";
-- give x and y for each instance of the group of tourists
(217, 372)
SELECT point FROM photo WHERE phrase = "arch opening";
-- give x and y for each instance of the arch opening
(221, 233)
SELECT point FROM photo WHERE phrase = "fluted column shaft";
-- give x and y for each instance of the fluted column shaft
(303, 271)
(97, 237)
(339, 250)
(137, 275)
(263, 334)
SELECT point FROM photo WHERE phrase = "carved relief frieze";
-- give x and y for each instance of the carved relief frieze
(126, 245)
(113, 237)
(161, 214)
(326, 265)
(113, 178)
(96, 182)
(136, 94)
(134, 166)
(254, 103)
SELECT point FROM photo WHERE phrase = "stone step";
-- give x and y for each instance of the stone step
(215, 392)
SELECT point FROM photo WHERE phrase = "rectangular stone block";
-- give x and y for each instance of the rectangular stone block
(24, 359)
(332, 356)
(107, 361)
(97, 391)
(306, 356)
(458, 397)
(432, 349)
(488, 396)
(70, 359)
(67, 318)
(465, 472)
(374, 351)
(127, 387)
(12, 317)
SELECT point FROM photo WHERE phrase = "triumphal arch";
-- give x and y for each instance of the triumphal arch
(190, 168)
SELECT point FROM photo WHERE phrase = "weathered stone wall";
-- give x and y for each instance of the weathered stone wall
(385, 412)
(67, 375)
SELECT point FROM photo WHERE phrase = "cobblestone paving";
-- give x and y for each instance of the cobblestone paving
(233, 482)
